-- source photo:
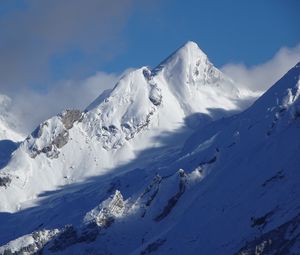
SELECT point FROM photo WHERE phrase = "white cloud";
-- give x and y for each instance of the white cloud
(30, 108)
(263, 76)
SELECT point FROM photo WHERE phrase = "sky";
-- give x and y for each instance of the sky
(57, 54)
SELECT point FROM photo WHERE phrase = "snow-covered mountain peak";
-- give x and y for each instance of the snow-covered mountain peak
(192, 78)
(190, 52)
(187, 57)
(187, 92)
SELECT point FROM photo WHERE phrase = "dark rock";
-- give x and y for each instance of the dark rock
(147, 74)
(155, 95)
(5, 181)
(69, 117)
(62, 139)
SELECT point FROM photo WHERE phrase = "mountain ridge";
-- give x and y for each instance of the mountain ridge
(140, 105)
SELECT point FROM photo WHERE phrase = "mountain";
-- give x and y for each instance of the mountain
(183, 92)
(165, 163)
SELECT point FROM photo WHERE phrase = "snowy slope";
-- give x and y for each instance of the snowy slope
(183, 92)
(233, 188)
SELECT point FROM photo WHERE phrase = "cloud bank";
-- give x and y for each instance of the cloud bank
(45, 38)
(263, 76)
(30, 107)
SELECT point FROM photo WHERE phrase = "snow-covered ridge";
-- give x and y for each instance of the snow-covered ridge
(185, 83)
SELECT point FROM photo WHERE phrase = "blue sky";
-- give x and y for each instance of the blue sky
(250, 32)
(62, 54)
(227, 30)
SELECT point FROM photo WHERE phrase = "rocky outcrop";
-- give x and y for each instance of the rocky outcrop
(52, 134)
(69, 117)
(105, 214)
(5, 181)
(155, 95)
(29, 244)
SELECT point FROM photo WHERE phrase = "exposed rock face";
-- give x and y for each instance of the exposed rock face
(155, 95)
(100, 217)
(155, 92)
(29, 244)
(52, 134)
(61, 139)
(68, 117)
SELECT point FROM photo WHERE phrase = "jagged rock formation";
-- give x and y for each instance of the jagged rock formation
(29, 244)
(104, 214)
(52, 134)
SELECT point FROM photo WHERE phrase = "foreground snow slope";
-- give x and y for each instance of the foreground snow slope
(183, 92)
(233, 188)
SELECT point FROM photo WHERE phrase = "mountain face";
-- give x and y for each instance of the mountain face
(167, 162)
(183, 92)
